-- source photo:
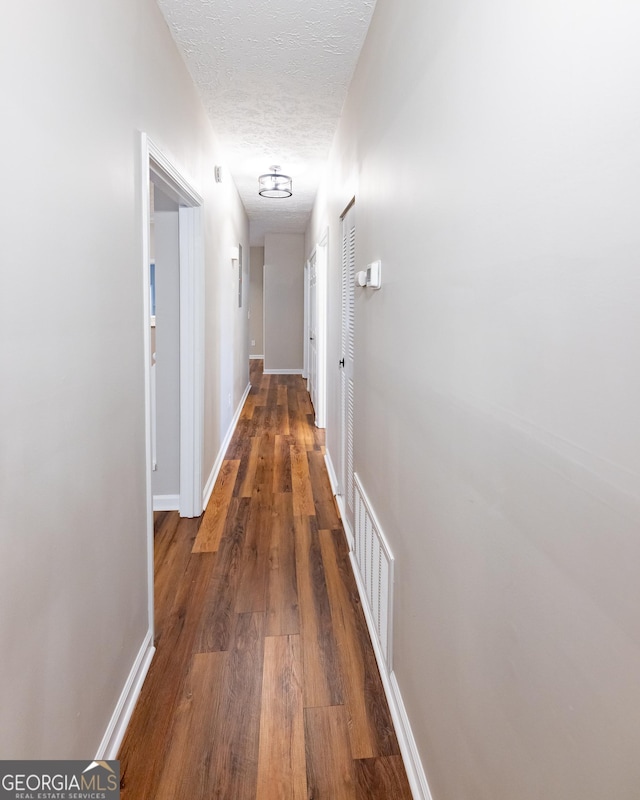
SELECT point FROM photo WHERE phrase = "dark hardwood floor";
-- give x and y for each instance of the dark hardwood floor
(264, 685)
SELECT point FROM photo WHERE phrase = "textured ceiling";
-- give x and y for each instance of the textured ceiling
(273, 75)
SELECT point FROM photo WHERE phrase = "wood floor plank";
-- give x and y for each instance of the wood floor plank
(218, 618)
(251, 592)
(371, 730)
(245, 482)
(233, 767)
(248, 407)
(303, 504)
(256, 425)
(148, 736)
(322, 676)
(282, 425)
(239, 442)
(324, 501)
(281, 755)
(381, 779)
(297, 419)
(330, 767)
(283, 396)
(304, 402)
(192, 741)
(173, 544)
(282, 465)
(282, 593)
(263, 390)
(215, 515)
(265, 465)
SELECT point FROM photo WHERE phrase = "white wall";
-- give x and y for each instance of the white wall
(256, 301)
(493, 151)
(79, 81)
(283, 301)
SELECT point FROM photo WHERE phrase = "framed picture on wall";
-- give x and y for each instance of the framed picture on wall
(239, 276)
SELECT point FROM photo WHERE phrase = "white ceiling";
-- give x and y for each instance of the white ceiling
(273, 76)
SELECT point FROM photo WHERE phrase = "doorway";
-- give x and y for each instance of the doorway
(165, 348)
(174, 400)
(316, 329)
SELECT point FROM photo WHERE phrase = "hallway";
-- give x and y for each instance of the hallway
(264, 684)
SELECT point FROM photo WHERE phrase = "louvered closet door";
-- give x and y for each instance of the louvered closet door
(348, 355)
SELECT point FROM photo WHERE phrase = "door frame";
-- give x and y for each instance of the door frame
(154, 162)
(307, 279)
(320, 251)
(322, 264)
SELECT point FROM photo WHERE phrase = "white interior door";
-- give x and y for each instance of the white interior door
(305, 366)
(347, 359)
(320, 403)
(312, 333)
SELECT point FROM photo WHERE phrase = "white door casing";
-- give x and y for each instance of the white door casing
(321, 330)
(315, 328)
(154, 163)
(347, 392)
(312, 335)
(305, 366)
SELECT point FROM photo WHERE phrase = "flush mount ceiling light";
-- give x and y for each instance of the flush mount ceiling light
(274, 184)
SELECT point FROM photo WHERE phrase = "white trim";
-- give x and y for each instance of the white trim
(333, 480)
(175, 184)
(282, 372)
(145, 145)
(153, 160)
(408, 748)
(406, 740)
(345, 521)
(191, 360)
(322, 269)
(117, 727)
(262, 356)
(213, 475)
(376, 570)
(305, 325)
(166, 502)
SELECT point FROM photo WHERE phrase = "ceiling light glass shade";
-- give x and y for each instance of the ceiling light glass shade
(274, 184)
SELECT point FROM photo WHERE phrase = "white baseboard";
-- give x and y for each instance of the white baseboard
(408, 748)
(282, 371)
(406, 741)
(333, 480)
(166, 502)
(117, 727)
(345, 522)
(213, 476)
(256, 357)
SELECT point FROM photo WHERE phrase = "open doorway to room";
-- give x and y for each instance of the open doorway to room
(164, 238)
(173, 275)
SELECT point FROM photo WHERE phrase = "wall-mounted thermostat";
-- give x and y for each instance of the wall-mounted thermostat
(372, 276)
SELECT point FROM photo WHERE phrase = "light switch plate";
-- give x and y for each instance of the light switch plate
(374, 275)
